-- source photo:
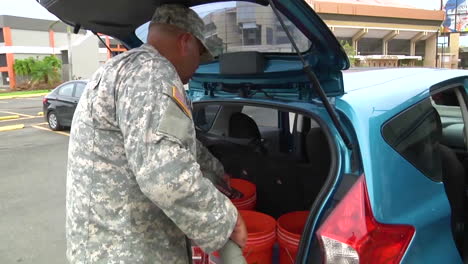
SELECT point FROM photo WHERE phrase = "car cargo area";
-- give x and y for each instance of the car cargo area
(285, 155)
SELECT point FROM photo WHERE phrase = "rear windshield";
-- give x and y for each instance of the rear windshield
(242, 26)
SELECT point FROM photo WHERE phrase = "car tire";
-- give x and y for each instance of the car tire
(53, 122)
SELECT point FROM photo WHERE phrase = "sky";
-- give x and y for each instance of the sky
(30, 8)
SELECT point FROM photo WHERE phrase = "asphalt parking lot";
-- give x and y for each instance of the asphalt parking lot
(32, 186)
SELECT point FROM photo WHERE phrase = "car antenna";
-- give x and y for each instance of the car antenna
(105, 45)
(314, 80)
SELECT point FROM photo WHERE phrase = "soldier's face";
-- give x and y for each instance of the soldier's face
(191, 50)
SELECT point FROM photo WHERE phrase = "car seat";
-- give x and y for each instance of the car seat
(241, 126)
(319, 161)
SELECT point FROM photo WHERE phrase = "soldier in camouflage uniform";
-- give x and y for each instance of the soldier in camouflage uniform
(135, 191)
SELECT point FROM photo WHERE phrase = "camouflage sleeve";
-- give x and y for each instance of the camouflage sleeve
(210, 166)
(213, 170)
(165, 168)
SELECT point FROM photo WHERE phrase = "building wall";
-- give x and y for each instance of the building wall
(85, 58)
(102, 57)
(430, 54)
(454, 49)
(61, 39)
(35, 56)
(29, 38)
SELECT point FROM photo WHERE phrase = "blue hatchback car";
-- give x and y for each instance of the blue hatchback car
(378, 156)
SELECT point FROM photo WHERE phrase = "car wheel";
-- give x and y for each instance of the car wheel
(53, 121)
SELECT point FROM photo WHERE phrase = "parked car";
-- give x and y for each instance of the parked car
(60, 104)
(379, 162)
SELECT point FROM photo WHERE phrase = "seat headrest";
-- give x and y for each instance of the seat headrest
(317, 148)
(438, 124)
(242, 126)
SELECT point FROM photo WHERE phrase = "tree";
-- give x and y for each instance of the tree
(47, 70)
(24, 67)
(349, 51)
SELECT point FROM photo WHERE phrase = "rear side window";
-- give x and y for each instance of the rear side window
(205, 116)
(263, 117)
(66, 90)
(415, 134)
(79, 89)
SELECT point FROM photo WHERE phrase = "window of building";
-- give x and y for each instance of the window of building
(420, 48)
(64, 56)
(66, 90)
(282, 40)
(5, 78)
(252, 35)
(399, 47)
(2, 38)
(269, 36)
(369, 46)
(3, 60)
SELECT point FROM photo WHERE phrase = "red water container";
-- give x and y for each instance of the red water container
(249, 200)
(290, 227)
(261, 229)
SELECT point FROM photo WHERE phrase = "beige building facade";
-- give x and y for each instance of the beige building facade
(21, 38)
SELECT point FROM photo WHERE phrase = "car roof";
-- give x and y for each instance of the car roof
(391, 89)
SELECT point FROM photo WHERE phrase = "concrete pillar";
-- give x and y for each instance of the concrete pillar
(430, 51)
(386, 39)
(413, 41)
(9, 57)
(359, 35)
(454, 46)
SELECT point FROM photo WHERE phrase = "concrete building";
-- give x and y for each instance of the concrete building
(383, 33)
(21, 38)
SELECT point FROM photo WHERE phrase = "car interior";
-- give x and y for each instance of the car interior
(450, 114)
(286, 154)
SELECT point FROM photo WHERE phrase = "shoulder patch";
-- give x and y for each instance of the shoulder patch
(181, 101)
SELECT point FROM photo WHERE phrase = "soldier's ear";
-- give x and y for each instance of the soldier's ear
(184, 43)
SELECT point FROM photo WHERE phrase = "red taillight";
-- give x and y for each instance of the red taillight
(44, 100)
(352, 235)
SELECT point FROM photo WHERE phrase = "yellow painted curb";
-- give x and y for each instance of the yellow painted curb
(29, 95)
(9, 117)
(12, 127)
(40, 114)
(23, 96)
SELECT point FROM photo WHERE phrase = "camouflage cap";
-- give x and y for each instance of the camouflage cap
(185, 19)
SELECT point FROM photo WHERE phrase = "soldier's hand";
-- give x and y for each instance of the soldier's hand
(239, 235)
